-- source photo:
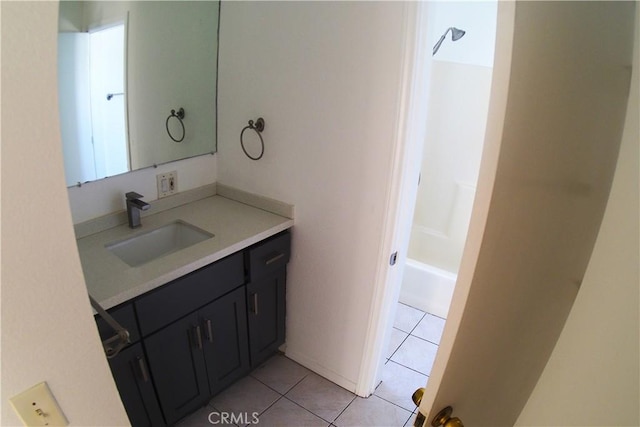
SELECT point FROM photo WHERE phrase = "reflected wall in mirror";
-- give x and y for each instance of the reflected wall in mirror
(122, 68)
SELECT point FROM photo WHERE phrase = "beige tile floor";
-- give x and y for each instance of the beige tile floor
(281, 393)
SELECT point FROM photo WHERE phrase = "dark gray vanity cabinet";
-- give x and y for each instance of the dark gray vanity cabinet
(195, 357)
(266, 296)
(226, 346)
(266, 299)
(130, 371)
(186, 325)
(178, 368)
(131, 375)
(198, 334)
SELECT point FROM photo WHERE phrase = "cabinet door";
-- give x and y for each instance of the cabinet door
(176, 362)
(266, 302)
(130, 372)
(226, 346)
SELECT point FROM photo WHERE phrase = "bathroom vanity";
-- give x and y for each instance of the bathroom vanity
(195, 334)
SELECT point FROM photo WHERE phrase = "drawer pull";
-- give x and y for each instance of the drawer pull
(255, 304)
(209, 330)
(143, 369)
(198, 337)
(274, 259)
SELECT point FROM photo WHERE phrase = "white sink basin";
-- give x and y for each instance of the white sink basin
(157, 243)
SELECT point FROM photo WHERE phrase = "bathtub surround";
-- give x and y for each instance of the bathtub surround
(459, 85)
(426, 287)
(459, 88)
(458, 106)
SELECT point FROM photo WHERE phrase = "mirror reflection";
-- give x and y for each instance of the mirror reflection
(122, 68)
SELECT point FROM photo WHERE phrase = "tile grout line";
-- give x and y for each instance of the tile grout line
(424, 339)
(355, 396)
(412, 369)
(281, 394)
(308, 410)
(398, 347)
(414, 328)
(296, 403)
(393, 403)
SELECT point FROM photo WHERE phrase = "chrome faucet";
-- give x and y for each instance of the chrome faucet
(134, 206)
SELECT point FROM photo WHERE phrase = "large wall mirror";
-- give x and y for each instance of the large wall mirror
(122, 68)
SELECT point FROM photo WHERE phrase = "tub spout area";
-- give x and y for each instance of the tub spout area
(427, 288)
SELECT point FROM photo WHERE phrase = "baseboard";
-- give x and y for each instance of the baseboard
(323, 371)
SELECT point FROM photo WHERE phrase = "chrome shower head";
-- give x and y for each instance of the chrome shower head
(456, 34)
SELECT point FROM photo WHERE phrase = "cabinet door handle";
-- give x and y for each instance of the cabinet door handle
(255, 304)
(198, 337)
(143, 369)
(209, 330)
(274, 259)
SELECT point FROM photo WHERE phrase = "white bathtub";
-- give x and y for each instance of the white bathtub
(427, 288)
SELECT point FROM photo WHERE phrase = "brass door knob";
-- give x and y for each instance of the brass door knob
(417, 396)
(443, 418)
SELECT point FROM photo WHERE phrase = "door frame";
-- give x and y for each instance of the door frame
(402, 191)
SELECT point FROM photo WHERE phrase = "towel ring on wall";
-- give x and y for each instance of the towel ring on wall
(178, 115)
(258, 127)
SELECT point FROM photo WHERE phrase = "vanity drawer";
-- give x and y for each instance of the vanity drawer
(125, 316)
(188, 293)
(269, 256)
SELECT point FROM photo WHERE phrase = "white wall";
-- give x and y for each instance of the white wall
(592, 376)
(326, 79)
(47, 326)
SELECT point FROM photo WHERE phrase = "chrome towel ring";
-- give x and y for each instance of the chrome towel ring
(178, 115)
(258, 127)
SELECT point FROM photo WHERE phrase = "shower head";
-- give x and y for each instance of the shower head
(456, 34)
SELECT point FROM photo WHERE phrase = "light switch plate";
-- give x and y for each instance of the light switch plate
(37, 407)
(167, 184)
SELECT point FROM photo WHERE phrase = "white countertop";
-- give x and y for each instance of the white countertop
(235, 226)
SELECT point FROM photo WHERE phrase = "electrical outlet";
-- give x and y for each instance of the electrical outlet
(167, 184)
(37, 407)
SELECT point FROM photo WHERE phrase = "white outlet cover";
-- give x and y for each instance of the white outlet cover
(167, 184)
(37, 407)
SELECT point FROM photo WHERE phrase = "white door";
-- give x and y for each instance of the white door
(561, 81)
(107, 70)
(75, 108)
